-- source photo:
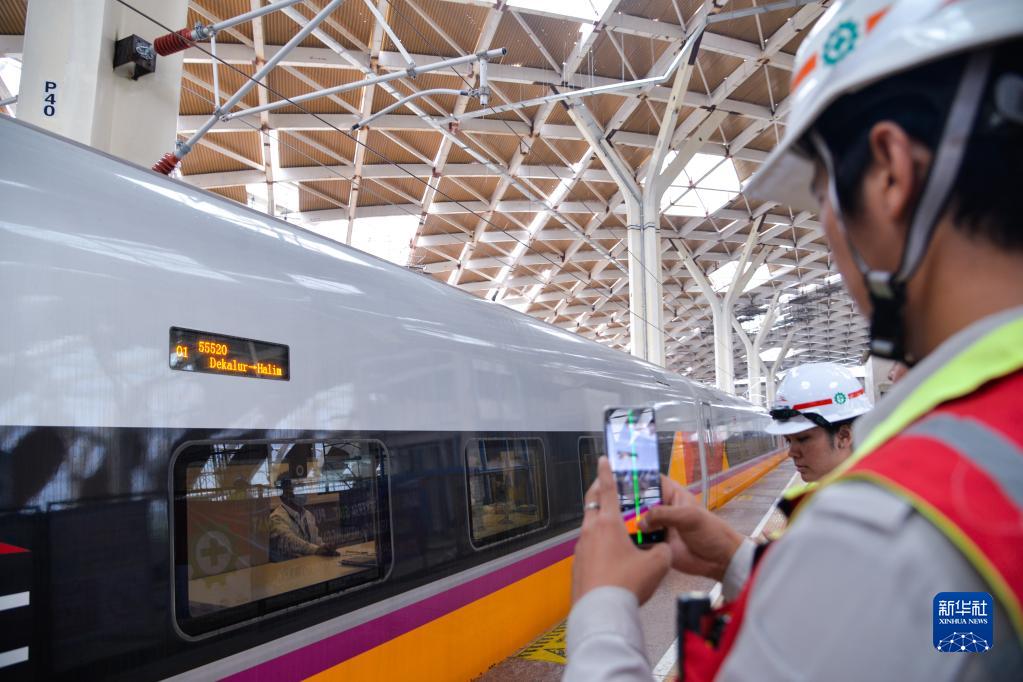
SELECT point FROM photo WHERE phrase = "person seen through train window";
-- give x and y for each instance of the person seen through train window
(814, 409)
(293, 531)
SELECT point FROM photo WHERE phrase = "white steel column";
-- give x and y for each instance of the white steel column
(721, 307)
(754, 365)
(68, 84)
(644, 315)
(653, 189)
(776, 365)
(748, 346)
(639, 314)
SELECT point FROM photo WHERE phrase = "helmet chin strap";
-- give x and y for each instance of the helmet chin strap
(887, 290)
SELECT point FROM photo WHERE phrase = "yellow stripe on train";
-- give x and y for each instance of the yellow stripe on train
(465, 643)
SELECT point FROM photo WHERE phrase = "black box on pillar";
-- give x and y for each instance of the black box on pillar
(134, 57)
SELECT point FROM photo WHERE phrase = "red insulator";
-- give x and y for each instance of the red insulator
(173, 42)
(166, 163)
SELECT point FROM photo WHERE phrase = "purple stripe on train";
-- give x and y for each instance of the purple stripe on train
(340, 647)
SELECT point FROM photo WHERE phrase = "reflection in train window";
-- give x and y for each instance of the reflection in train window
(507, 490)
(590, 450)
(262, 526)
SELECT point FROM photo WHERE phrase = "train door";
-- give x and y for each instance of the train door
(706, 444)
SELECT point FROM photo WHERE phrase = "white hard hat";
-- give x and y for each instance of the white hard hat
(823, 389)
(860, 42)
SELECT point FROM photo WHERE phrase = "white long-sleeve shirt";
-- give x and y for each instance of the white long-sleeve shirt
(846, 595)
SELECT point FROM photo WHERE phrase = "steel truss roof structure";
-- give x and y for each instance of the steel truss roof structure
(546, 235)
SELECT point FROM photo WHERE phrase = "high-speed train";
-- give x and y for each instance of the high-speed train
(181, 378)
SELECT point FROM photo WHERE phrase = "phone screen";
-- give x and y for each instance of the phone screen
(631, 437)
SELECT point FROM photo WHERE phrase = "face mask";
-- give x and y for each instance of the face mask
(299, 500)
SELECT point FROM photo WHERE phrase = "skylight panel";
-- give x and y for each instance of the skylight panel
(388, 237)
(771, 354)
(584, 11)
(10, 78)
(10, 74)
(285, 197)
(722, 278)
(707, 183)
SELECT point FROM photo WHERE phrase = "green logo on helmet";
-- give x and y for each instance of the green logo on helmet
(840, 398)
(840, 43)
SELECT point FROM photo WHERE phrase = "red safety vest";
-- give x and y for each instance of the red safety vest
(961, 467)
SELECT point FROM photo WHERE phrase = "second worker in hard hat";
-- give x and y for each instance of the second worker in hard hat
(814, 410)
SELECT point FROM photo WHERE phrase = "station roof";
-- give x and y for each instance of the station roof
(412, 188)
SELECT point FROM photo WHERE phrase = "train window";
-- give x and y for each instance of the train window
(263, 526)
(507, 490)
(590, 450)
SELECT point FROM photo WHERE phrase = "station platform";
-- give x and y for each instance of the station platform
(752, 512)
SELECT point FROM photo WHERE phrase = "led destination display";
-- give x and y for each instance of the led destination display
(196, 351)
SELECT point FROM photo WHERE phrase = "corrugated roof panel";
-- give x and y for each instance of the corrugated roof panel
(755, 89)
(202, 159)
(249, 145)
(335, 188)
(715, 68)
(521, 49)
(324, 201)
(603, 59)
(644, 121)
(503, 146)
(541, 154)
(423, 141)
(412, 187)
(581, 192)
(634, 156)
(745, 28)
(213, 11)
(285, 85)
(380, 149)
(12, 17)
(295, 151)
(463, 23)
(604, 107)
(449, 190)
(382, 193)
(512, 193)
(766, 140)
(483, 186)
(662, 10)
(237, 193)
(353, 17)
(232, 78)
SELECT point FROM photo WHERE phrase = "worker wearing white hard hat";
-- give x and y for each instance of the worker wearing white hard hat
(814, 409)
(905, 136)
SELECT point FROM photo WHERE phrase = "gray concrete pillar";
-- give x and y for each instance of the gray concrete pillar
(68, 84)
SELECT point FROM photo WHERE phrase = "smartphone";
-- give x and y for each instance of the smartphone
(630, 435)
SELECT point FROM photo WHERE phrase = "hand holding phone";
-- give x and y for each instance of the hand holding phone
(631, 440)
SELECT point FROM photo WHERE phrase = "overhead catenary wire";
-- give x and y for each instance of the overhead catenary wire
(526, 245)
(169, 160)
(622, 241)
(522, 140)
(367, 190)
